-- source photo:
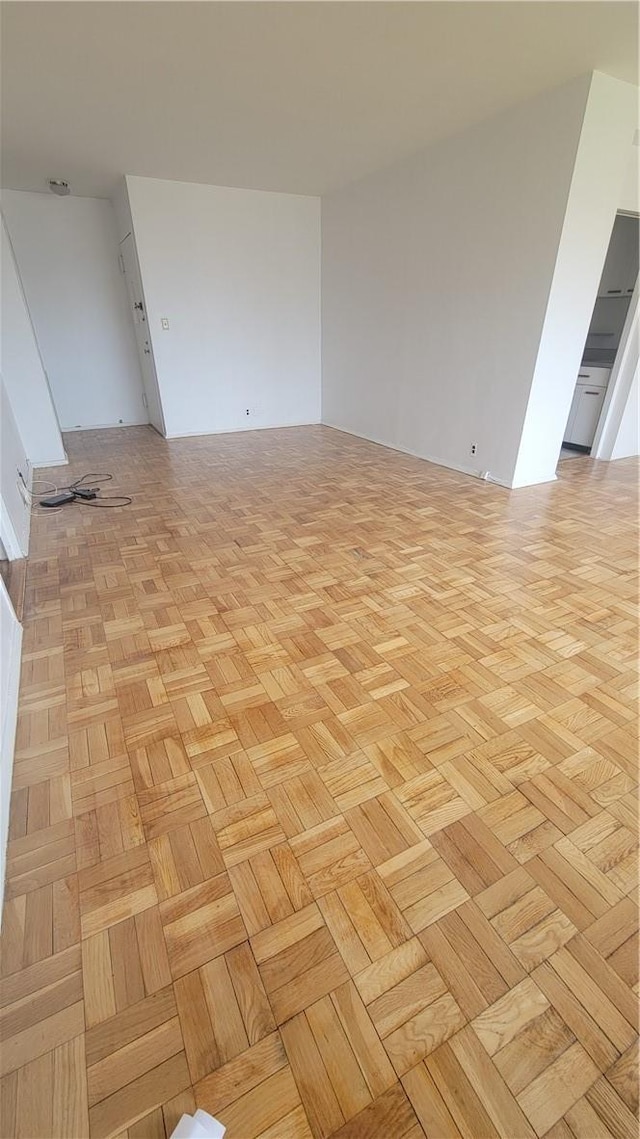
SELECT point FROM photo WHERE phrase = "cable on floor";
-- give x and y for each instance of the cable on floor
(84, 490)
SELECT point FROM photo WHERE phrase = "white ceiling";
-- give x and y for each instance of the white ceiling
(299, 97)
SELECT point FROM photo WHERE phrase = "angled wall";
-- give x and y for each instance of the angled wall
(15, 512)
(67, 253)
(598, 175)
(23, 371)
(436, 283)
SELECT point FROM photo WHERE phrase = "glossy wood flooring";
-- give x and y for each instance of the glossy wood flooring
(324, 800)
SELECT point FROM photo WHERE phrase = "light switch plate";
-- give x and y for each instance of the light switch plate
(165, 322)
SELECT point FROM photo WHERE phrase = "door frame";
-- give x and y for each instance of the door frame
(620, 378)
(620, 382)
(163, 432)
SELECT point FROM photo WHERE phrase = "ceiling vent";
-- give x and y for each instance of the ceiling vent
(58, 187)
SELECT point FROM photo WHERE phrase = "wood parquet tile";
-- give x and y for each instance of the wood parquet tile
(324, 810)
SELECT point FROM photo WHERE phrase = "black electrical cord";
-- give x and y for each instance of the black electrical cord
(109, 502)
(84, 478)
(114, 501)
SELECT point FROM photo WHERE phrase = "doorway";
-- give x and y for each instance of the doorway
(143, 341)
(604, 339)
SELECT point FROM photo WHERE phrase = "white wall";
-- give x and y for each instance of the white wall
(601, 160)
(10, 644)
(67, 252)
(629, 198)
(15, 513)
(436, 276)
(237, 274)
(135, 295)
(23, 371)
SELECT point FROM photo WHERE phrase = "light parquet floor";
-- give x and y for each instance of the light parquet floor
(324, 806)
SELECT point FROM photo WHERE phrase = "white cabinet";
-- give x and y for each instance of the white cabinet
(621, 266)
(594, 376)
(586, 406)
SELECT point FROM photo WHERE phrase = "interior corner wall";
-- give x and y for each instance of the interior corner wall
(67, 253)
(599, 171)
(121, 210)
(236, 273)
(23, 371)
(435, 279)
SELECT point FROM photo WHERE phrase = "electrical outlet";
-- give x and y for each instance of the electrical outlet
(474, 447)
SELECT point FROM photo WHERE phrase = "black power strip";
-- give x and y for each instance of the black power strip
(58, 499)
(85, 493)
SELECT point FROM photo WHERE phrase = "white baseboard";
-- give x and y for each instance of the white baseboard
(40, 464)
(106, 426)
(538, 482)
(244, 430)
(462, 470)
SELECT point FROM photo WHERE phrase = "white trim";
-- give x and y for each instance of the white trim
(244, 430)
(10, 686)
(484, 476)
(8, 535)
(529, 485)
(105, 426)
(154, 381)
(620, 382)
(38, 464)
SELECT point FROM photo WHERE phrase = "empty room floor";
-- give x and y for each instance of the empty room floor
(324, 799)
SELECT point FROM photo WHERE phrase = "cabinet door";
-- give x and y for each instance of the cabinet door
(593, 377)
(589, 405)
(621, 266)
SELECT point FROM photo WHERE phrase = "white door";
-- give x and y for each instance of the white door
(138, 312)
